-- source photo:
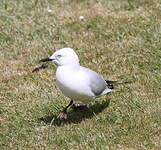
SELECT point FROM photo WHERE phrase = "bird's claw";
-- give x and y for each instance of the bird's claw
(62, 115)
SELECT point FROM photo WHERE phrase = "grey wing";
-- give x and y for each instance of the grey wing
(97, 83)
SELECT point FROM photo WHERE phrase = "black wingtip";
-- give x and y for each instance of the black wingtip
(111, 84)
(116, 82)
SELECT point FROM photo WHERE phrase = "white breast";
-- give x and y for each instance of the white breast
(73, 84)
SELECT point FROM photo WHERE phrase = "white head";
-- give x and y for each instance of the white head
(64, 56)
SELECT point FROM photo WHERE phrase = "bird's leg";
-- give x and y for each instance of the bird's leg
(63, 114)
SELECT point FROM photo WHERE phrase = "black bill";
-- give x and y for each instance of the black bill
(45, 59)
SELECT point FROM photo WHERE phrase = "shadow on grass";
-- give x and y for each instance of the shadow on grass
(76, 116)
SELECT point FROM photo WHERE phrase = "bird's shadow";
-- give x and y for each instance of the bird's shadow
(76, 116)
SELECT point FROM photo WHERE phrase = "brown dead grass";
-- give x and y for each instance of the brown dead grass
(100, 9)
(12, 68)
(125, 44)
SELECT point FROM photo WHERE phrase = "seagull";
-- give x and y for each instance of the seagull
(77, 82)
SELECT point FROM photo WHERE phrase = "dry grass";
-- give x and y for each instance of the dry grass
(118, 38)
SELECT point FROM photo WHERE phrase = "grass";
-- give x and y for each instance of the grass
(118, 38)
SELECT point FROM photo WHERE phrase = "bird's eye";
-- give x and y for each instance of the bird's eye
(59, 56)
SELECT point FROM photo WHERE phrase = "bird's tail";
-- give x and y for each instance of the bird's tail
(111, 84)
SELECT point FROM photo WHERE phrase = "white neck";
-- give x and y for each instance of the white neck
(73, 67)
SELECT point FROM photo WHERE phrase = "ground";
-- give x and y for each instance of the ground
(120, 39)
